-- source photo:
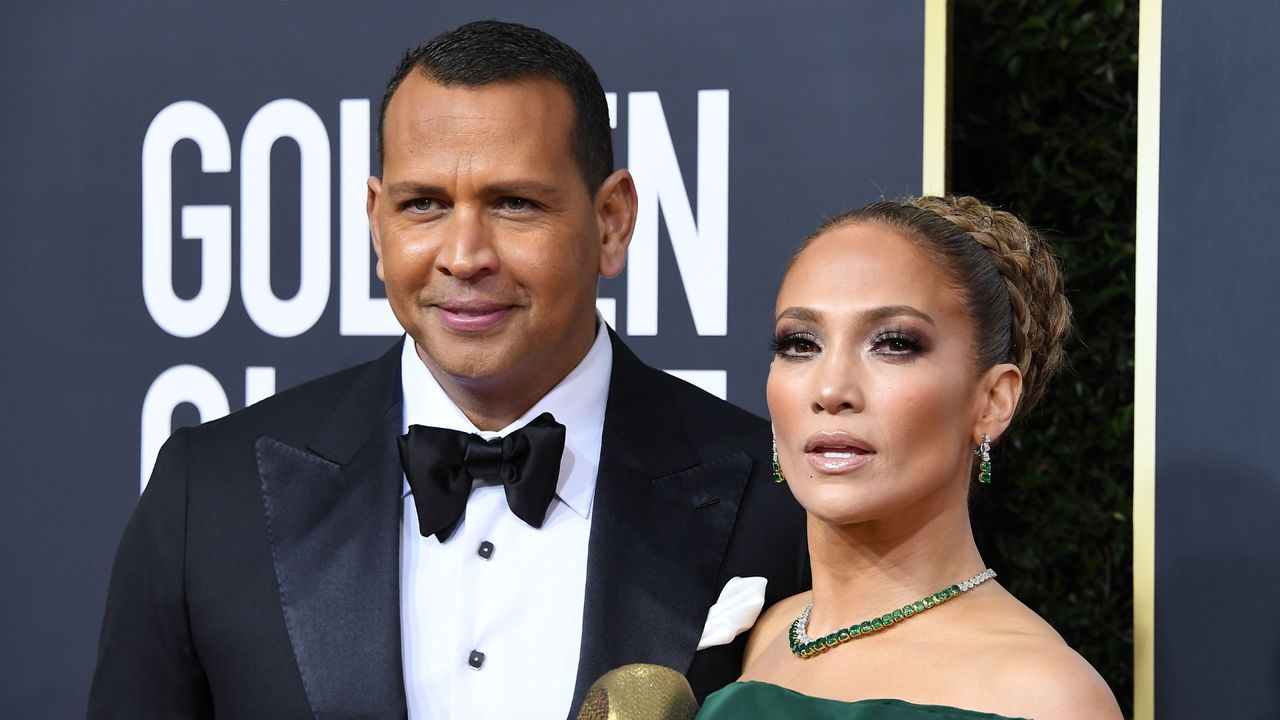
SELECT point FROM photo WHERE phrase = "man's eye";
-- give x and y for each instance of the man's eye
(421, 205)
(516, 204)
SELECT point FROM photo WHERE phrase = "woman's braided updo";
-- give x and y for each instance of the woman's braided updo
(1005, 270)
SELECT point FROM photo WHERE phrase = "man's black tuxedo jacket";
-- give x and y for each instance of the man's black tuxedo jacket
(259, 574)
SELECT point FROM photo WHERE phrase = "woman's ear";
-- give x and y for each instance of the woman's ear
(1001, 387)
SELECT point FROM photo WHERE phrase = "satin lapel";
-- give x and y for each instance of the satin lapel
(333, 520)
(662, 518)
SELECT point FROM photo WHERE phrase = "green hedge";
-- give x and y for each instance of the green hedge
(1043, 123)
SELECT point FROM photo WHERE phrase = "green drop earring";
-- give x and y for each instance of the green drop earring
(777, 469)
(984, 468)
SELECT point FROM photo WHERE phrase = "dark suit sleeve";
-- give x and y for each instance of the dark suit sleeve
(147, 665)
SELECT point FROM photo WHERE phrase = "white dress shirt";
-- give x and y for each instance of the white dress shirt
(499, 636)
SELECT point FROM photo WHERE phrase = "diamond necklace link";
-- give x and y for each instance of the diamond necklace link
(804, 646)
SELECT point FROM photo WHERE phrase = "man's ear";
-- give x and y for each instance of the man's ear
(616, 218)
(371, 209)
(1000, 388)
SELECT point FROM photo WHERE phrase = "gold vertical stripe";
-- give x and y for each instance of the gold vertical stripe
(1144, 374)
(934, 171)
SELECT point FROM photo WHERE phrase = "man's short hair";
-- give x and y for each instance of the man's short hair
(487, 51)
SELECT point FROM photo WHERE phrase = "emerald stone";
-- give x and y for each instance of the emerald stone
(866, 627)
(985, 478)
(985, 467)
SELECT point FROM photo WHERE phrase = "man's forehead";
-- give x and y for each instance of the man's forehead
(531, 100)
(486, 136)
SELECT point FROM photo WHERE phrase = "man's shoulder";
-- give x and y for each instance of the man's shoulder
(698, 405)
(704, 417)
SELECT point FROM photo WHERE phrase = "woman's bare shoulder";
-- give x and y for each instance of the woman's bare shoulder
(772, 624)
(1050, 681)
(1034, 673)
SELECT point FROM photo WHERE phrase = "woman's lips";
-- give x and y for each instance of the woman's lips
(472, 317)
(835, 462)
(837, 452)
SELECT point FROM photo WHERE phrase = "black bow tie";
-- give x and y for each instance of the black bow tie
(441, 465)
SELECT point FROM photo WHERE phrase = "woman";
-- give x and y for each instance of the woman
(907, 337)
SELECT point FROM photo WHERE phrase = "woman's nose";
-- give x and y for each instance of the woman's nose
(838, 385)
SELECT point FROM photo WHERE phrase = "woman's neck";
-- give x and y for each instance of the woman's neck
(867, 569)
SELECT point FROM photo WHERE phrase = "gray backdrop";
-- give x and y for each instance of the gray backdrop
(822, 102)
(1217, 429)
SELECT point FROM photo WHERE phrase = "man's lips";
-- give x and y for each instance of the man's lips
(837, 452)
(472, 315)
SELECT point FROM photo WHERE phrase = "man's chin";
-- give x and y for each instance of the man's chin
(465, 359)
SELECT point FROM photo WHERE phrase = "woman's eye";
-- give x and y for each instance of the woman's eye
(794, 345)
(896, 345)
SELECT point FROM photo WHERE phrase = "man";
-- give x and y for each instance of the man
(282, 563)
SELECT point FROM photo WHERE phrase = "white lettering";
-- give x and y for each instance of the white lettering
(259, 384)
(358, 313)
(210, 224)
(608, 309)
(294, 120)
(611, 99)
(175, 386)
(701, 249)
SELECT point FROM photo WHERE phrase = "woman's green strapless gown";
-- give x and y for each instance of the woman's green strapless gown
(756, 700)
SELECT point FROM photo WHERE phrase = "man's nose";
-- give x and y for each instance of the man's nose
(838, 385)
(467, 249)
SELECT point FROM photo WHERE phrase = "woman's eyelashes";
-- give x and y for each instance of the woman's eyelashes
(895, 342)
(794, 344)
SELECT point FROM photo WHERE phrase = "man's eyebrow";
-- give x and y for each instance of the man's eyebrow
(522, 188)
(414, 188)
(518, 188)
